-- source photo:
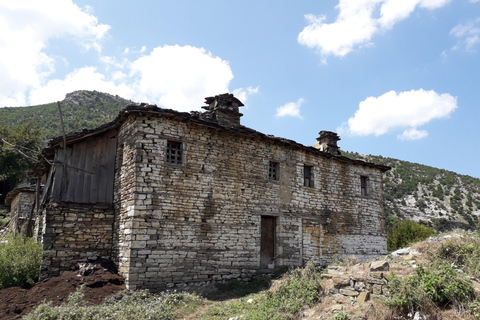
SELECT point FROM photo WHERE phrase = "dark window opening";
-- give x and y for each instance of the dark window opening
(364, 186)
(174, 152)
(308, 176)
(273, 172)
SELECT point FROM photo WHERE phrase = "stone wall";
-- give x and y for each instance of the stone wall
(73, 233)
(21, 207)
(196, 223)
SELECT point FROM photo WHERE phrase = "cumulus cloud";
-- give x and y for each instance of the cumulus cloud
(412, 134)
(243, 94)
(406, 110)
(176, 77)
(290, 109)
(468, 34)
(180, 77)
(26, 26)
(357, 22)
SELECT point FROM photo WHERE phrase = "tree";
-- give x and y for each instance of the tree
(19, 148)
(405, 233)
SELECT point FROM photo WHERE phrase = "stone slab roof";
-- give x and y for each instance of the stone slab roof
(194, 117)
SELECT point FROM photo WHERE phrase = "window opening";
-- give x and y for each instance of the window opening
(273, 172)
(308, 176)
(364, 186)
(174, 152)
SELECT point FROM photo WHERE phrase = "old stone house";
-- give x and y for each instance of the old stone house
(184, 200)
(21, 201)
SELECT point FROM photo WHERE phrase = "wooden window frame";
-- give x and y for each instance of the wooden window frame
(364, 186)
(174, 152)
(274, 170)
(308, 176)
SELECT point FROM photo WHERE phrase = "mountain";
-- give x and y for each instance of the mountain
(81, 110)
(438, 198)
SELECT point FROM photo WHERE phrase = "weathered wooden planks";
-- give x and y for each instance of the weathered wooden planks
(90, 168)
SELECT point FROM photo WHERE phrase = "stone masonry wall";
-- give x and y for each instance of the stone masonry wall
(20, 208)
(75, 233)
(196, 223)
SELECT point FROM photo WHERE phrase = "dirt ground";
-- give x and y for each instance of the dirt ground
(16, 302)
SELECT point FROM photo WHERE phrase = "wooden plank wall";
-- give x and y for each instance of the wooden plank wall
(88, 173)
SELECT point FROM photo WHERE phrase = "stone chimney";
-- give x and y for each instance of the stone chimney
(223, 109)
(327, 142)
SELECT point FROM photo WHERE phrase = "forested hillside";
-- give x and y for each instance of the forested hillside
(25, 130)
(81, 110)
(440, 198)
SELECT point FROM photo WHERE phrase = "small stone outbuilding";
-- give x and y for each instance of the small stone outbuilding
(185, 200)
(21, 201)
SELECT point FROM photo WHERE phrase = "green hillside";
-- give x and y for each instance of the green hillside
(81, 110)
(440, 198)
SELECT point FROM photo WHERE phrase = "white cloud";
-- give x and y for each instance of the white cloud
(179, 77)
(468, 34)
(243, 94)
(290, 109)
(82, 79)
(412, 134)
(357, 22)
(405, 110)
(26, 27)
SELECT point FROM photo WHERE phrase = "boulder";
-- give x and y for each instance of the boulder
(379, 266)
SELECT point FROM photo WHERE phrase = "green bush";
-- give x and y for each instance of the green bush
(131, 305)
(20, 260)
(464, 252)
(437, 284)
(342, 315)
(4, 221)
(300, 287)
(405, 233)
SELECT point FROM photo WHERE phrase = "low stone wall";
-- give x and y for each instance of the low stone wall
(359, 282)
(75, 233)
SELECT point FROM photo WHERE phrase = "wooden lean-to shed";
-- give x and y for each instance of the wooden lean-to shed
(75, 216)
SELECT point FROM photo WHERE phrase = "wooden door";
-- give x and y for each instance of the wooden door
(267, 242)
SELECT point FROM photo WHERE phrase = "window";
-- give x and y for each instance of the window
(364, 186)
(273, 172)
(174, 152)
(308, 176)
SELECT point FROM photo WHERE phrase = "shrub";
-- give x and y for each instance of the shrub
(342, 315)
(407, 232)
(299, 287)
(463, 252)
(20, 260)
(130, 305)
(4, 221)
(437, 284)
(296, 289)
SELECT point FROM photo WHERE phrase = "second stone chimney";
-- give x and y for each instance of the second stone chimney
(327, 142)
(223, 109)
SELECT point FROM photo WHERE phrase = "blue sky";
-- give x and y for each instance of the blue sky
(394, 78)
